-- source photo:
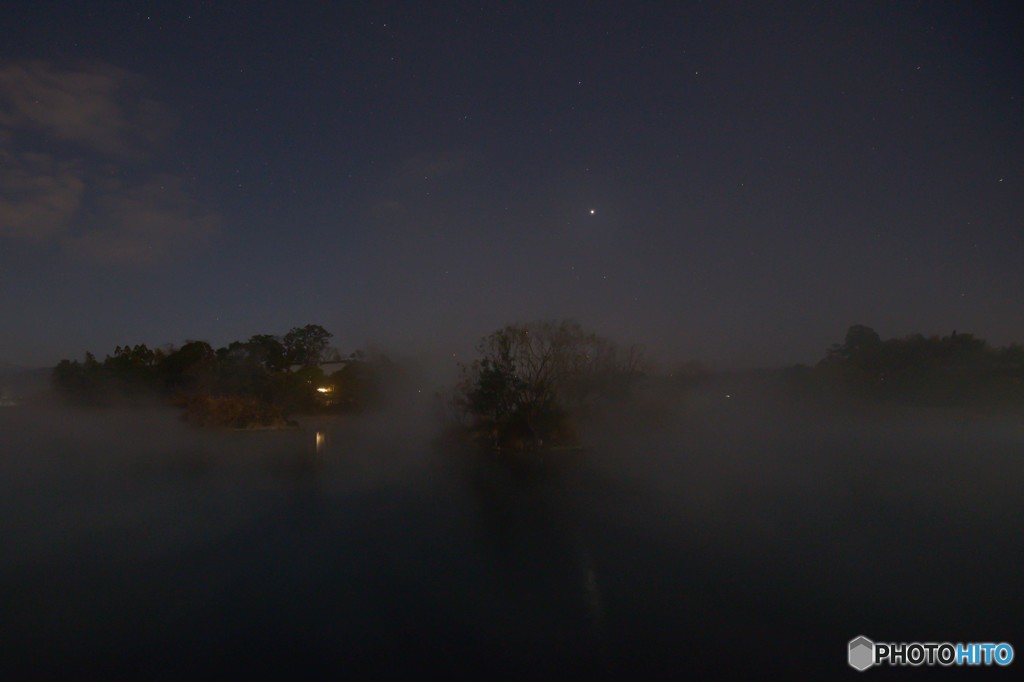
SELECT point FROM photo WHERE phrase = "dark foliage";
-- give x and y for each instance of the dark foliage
(259, 380)
(306, 346)
(958, 369)
(531, 378)
(231, 411)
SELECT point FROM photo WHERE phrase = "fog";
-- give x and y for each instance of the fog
(728, 531)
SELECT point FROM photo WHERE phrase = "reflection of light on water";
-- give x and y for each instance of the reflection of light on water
(591, 591)
(321, 438)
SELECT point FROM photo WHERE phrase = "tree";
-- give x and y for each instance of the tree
(950, 370)
(307, 345)
(268, 351)
(260, 371)
(189, 367)
(75, 380)
(859, 342)
(529, 376)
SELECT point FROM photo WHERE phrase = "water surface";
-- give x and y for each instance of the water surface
(730, 538)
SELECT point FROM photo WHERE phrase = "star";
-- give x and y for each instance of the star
(592, 210)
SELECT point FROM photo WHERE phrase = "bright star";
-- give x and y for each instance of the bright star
(592, 210)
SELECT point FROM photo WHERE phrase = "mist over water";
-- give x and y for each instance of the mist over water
(705, 537)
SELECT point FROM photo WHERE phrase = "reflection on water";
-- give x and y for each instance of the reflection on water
(138, 549)
(591, 590)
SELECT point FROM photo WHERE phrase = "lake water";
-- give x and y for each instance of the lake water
(733, 538)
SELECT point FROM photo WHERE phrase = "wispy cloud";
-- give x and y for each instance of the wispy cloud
(39, 195)
(99, 106)
(144, 223)
(67, 138)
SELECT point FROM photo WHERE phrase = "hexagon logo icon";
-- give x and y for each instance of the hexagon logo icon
(862, 653)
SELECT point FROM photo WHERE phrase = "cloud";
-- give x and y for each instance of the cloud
(39, 195)
(100, 107)
(143, 224)
(67, 138)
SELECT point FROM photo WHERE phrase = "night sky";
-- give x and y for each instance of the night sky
(730, 182)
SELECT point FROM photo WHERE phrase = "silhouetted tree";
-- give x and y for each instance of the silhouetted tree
(859, 342)
(268, 351)
(190, 367)
(528, 376)
(77, 381)
(307, 345)
(257, 369)
(955, 369)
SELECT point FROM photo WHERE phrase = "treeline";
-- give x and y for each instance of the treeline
(244, 384)
(525, 390)
(954, 370)
(529, 383)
